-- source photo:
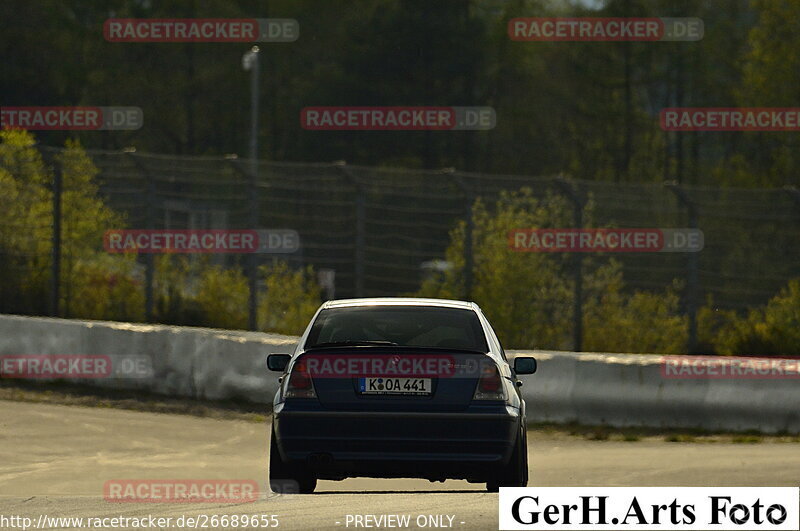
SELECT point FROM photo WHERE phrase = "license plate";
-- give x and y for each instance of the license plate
(394, 386)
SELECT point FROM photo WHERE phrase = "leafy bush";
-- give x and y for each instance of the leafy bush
(782, 320)
(713, 322)
(770, 331)
(285, 307)
(106, 288)
(643, 322)
(223, 296)
(174, 292)
(290, 300)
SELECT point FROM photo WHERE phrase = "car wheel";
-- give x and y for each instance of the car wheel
(515, 473)
(285, 478)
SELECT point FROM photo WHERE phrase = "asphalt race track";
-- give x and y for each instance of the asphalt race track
(54, 461)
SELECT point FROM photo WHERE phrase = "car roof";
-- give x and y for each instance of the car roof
(400, 301)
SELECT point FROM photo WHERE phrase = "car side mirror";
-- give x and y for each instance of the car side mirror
(525, 365)
(278, 362)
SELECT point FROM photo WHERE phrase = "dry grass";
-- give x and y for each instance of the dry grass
(634, 434)
(75, 395)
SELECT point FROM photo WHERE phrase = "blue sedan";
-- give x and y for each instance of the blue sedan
(398, 388)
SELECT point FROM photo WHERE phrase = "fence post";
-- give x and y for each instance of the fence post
(578, 202)
(469, 230)
(149, 259)
(252, 260)
(55, 274)
(252, 273)
(361, 230)
(691, 267)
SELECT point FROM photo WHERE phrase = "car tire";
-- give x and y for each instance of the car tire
(515, 473)
(285, 478)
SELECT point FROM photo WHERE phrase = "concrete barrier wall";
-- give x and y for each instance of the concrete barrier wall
(588, 388)
(188, 362)
(631, 390)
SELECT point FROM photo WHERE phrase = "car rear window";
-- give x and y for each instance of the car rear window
(410, 326)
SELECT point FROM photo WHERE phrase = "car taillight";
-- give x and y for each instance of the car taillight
(490, 384)
(300, 384)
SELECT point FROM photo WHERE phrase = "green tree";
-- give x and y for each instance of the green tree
(26, 233)
(771, 78)
(527, 296)
(25, 228)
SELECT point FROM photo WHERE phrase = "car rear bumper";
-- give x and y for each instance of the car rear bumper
(467, 444)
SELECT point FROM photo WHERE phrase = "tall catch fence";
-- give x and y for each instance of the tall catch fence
(378, 231)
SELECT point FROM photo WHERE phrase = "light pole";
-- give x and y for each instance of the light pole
(250, 63)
